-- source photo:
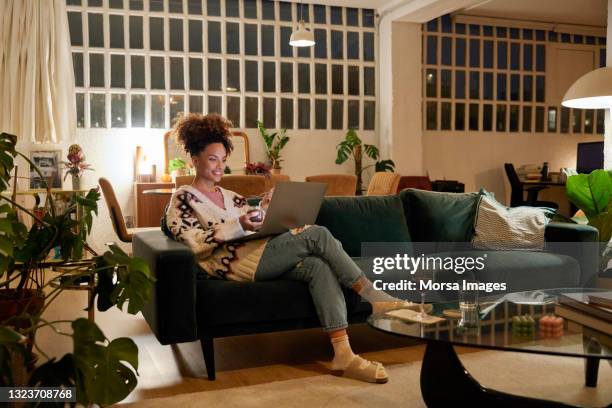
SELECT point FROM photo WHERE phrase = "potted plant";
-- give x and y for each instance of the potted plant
(177, 167)
(257, 169)
(274, 144)
(101, 370)
(352, 147)
(75, 165)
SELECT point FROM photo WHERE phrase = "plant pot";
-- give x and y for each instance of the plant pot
(275, 170)
(14, 302)
(76, 182)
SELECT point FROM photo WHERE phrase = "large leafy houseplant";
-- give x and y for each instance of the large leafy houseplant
(274, 144)
(352, 147)
(592, 193)
(101, 370)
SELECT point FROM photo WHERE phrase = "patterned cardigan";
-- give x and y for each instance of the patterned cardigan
(192, 218)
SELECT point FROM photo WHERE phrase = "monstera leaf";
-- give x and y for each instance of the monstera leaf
(590, 192)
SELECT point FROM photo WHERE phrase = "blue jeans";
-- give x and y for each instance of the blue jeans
(316, 257)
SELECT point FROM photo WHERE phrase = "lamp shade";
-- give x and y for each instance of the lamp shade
(302, 37)
(591, 91)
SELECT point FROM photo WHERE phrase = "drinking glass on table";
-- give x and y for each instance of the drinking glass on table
(468, 304)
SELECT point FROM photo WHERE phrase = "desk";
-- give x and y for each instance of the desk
(542, 183)
(150, 207)
(160, 191)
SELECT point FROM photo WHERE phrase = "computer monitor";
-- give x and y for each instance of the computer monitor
(590, 157)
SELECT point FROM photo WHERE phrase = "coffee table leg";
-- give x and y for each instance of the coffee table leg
(591, 369)
(445, 382)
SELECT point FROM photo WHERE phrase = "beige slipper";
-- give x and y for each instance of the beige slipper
(382, 307)
(364, 370)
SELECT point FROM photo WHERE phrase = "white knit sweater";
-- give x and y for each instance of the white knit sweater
(195, 220)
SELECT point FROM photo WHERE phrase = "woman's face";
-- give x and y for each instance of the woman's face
(210, 163)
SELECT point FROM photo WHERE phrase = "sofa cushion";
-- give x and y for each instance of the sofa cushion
(354, 220)
(439, 217)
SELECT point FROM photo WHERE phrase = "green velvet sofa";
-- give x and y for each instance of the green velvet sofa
(186, 308)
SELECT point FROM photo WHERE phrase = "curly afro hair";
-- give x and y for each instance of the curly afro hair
(195, 132)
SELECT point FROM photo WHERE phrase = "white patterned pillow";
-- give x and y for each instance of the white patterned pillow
(499, 227)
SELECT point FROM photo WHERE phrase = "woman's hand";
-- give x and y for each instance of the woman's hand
(247, 224)
(266, 198)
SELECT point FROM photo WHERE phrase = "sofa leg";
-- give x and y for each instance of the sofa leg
(208, 349)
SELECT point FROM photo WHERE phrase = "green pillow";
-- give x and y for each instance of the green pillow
(354, 220)
(440, 217)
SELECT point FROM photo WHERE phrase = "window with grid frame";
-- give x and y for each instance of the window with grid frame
(493, 78)
(140, 63)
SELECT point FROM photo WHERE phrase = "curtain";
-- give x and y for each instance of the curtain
(37, 100)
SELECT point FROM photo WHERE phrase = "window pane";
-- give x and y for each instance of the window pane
(286, 113)
(445, 116)
(118, 110)
(447, 52)
(267, 10)
(487, 118)
(233, 76)
(338, 79)
(116, 31)
(97, 111)
(251, 112)
(269, 76)
(267, 40)
(214, 75)
(194, 7)
(336, 15)
(77, 63)
(75, 25)
(320, 16)
(269, 112)
(284, 11)
(196, 81)
(177, 106)
(156, 33)
(552, 119)
(213, 8)
(80, 110)
(321, 78)
(304, 78)
(515, 84)
(368, 46)
(303, 52)
(353, 80)
(527, 57)
(514, 118)
(367, 17)
(353, 114)
(96, 32)
(156, 5)
(250, 9)
(502, 55)
(138, 68)
(232, 9)
(138, 111)
(369, 81)
(540, 88)
(250, 39)
(157, 73)
(176, 74)
(136, 32)
(136, 5)
(526, 118)
(196, 104)
(175, 6)
(445, 83)
(233, 110)
(600, 121)
(232, 33)
(459, 116)
(540, 57)
(502, 94)
(473, 121)
(303, 113)
(251, 76)
(320, 43)
(459, 84)
(352, 45)
(500, 118)
(515, 55)
(96, 70)
(474, 85)
(577, 120)
(565, 120)
(431, 115)
(474, 53)
(195, 36)
(352, 17)
(214, 36)
(539, 119)
(487, 86)
(337, 45)
(118, 71)
(320, 114)
(460, 49)
(214, 104)
(286, 50)
(287, 77)
(432, 50)
(337, 115)
(431, 83)
(487, 54)
(528, 88)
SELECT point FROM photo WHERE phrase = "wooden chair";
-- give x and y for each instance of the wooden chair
(183, 181)
(337, 184)
(246, 186)
(383, 183)
(125, 234)
(420, 182)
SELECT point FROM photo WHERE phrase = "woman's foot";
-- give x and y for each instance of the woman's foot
(382, 307)
(361, 369)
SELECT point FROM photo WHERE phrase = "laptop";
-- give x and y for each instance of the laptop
(294, 204)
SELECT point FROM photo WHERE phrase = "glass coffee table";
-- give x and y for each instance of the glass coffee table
(444, 380)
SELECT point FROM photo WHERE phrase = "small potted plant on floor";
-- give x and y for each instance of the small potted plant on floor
(352, 147)
(275, 142)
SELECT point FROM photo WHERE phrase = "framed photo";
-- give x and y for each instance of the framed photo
(49, 164)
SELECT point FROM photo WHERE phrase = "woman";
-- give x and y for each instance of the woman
(204, 216)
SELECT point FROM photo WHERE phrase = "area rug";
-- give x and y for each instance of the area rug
(548, 377)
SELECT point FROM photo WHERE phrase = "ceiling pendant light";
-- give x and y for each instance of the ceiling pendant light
(591, 91)
(302, 37)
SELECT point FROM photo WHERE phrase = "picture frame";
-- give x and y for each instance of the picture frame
(48, 161)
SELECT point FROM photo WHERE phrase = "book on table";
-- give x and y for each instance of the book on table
(578, 308)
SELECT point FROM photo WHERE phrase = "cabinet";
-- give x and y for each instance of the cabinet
(149, 208)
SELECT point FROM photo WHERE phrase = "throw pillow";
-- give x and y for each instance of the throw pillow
(518, 228)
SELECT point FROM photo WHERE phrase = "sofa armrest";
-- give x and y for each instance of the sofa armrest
(579, 241)
(172, 310)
